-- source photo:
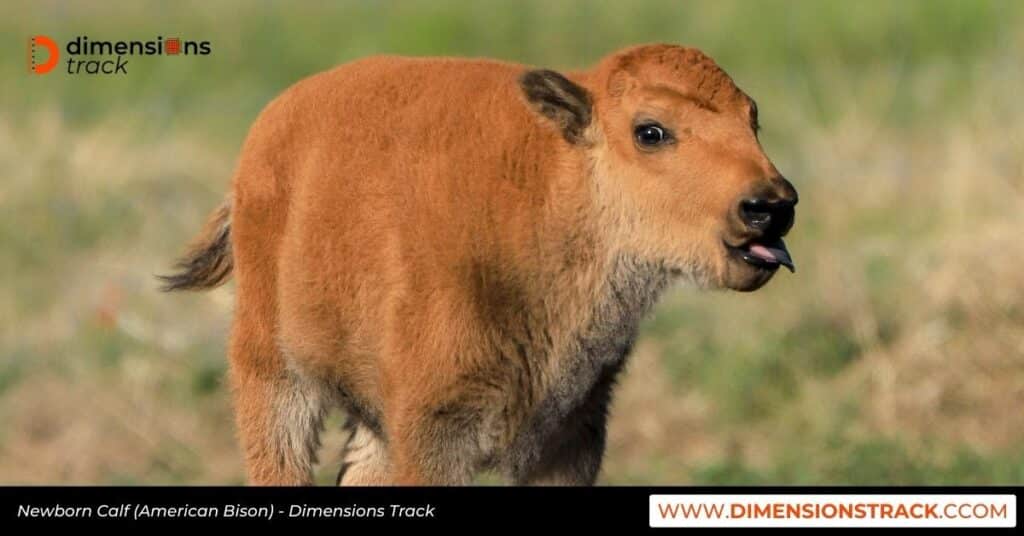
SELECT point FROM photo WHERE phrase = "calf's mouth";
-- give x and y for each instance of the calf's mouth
(765, 253)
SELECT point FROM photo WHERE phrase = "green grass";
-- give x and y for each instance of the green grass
(871, 463)
(774, 48)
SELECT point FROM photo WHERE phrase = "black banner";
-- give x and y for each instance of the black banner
(482, 508)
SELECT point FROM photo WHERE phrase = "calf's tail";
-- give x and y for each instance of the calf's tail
(207, 262)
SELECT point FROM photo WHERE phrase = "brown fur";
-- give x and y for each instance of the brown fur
(458, 253)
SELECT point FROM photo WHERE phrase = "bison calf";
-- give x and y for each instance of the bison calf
(458, 253)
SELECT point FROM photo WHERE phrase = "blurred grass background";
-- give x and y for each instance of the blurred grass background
(895, 355)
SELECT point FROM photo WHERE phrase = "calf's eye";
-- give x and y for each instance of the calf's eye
(650, 135)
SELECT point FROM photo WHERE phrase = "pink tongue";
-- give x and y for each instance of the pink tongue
(762, 252)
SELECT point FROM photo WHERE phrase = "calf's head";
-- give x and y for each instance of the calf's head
(678, 170)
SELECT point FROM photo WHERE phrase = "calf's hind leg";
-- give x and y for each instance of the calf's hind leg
(278, 413)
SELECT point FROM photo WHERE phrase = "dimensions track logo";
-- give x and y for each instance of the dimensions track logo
(83, 55)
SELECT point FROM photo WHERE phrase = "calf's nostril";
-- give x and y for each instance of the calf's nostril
(784, 220)
(756, 213)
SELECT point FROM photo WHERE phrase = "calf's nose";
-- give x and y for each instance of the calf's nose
(770, 209)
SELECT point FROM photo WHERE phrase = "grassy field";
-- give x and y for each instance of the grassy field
(894, 355)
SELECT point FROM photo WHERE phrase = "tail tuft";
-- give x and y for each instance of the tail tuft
(208, 261)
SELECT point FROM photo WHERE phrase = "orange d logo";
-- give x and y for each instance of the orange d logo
(53, 52)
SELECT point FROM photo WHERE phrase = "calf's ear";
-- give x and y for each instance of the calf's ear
(560, 100)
